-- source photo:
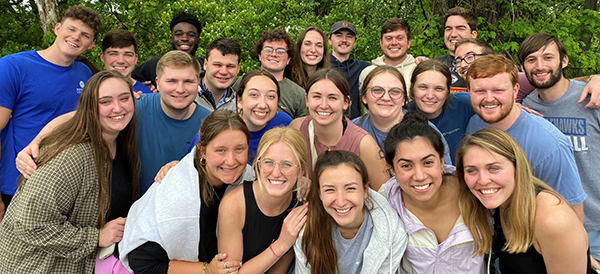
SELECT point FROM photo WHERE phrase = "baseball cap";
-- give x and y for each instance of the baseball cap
(342, 25)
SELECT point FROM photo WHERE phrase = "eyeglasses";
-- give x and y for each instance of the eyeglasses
(469, 58)
(395, 93)
(279, 51)
(285, 167)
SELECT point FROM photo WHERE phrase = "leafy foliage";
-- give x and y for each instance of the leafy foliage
(503, 23)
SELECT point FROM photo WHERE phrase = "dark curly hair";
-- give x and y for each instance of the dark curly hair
(86, 15)
(186, 17)
(275, 35)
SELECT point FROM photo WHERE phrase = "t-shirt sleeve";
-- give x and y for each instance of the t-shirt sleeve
(561, 173)
(9, 89)
(149, 258)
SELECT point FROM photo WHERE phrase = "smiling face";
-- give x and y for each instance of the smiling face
(184, 37)
(395, 46)
(311, 51)
(343, 194)
(418, 169)
(431, 93)
(226, 156)
(342, 42)
(326, 103)
(493, 99)
(544, 67)
(489, 175)
(258, 102)
(461, 52)
(221, 71)
(73, 37)
(384, 106)
(275, 182)
(272, 61)
(178, 88)
(115, 107)
(122, 60)
(455, 29)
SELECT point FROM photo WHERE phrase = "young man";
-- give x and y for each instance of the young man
(342, 39)
(119, 53)
(458, 23)
(167, 121)
(273, 49)
(395, 41)
(493, 84)
(221, 67)
(543, 58)
(38, 86)
(185, 32)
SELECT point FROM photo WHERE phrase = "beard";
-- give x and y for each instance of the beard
(503, 113)
(555, 76)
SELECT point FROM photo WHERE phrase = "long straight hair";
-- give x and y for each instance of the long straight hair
(215, 123)
(84, 127)
(317, 242)
(299, 73)
(519, 214)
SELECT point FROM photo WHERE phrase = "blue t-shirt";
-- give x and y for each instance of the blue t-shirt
(36, 91)
(367, 124)
(162, 139)
(280, 119)
(138, 86)
(549, 152)
(453, 120)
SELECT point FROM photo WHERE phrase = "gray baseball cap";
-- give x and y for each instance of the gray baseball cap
(342, 25)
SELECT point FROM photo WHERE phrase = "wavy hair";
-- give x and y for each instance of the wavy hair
(299, 73)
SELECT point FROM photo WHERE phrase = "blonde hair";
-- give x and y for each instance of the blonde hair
(292, 138)
(177, 59)
(519, 215)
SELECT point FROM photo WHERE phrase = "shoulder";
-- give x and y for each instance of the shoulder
(280, 119)
(554, 217)
(296, 123)
(233, 201)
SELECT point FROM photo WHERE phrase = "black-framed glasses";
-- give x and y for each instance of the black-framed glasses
(279, 51)
(285, 167)
(395, 93)
(469, 58)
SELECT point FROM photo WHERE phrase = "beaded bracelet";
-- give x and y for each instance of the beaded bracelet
(271, 247)
(205, 270)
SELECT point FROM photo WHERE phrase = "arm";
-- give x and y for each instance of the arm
(578, 208)
(592, 89)
(24, 161)
(296, 123)
(561, 239)
(373, 159)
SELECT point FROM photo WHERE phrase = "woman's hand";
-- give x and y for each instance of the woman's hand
(163, 170)
(111, 232)
(24, 161)
(292, 225)
(220, 266)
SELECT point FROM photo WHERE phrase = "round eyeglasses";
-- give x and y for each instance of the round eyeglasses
(395, 93)
(285, 167)
(279, 51)
(469, 58)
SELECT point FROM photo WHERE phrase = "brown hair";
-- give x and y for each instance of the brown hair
(84, 127)
(464, 13)
(275, 36)
(519, 214)
(215, 123)
(298, 69)
(537, 41)
(485, 47)
(246, 78)
(317, 242)
(491, 65)
(177, 59)
(86, 15)
(338, 79)
(379, 70)
(394, 24)
(427, 65)
(118, 38)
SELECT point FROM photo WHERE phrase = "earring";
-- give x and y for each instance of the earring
(202, 161)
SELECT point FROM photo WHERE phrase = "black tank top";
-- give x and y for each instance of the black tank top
(259, 230)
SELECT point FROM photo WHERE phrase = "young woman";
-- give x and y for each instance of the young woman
(85, 182)
(257, 222)
(172, 228)
(328, 96)
(535, 230)
(449, 112)
(350, 228)
(384, 94)
(425, 195)
(310, 54)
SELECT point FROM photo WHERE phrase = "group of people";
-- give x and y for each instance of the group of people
(179, 166)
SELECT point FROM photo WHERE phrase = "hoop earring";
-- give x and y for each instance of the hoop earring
(202, 161)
